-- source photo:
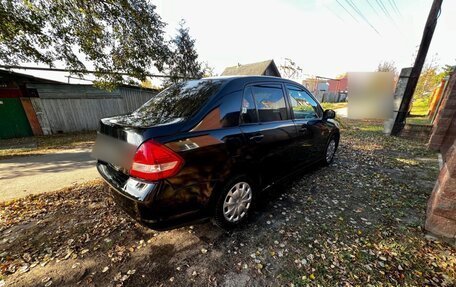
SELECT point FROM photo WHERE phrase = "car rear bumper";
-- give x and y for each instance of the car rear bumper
(137, 199)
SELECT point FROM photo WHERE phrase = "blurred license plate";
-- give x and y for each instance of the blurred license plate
(111, 150)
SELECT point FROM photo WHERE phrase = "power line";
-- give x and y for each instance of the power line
(373, 8)
(383, 7)
(335, 14)
(87, 71)
(361, 14)
(76, 78)
(347, 11)
(395, 8)
(386, 12)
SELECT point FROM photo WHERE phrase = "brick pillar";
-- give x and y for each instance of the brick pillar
(441, 211)
(445, 115)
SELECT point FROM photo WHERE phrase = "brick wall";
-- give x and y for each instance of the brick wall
(416, 132)
(445, 116)
(441, 211)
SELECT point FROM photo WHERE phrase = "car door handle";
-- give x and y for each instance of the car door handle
(256, 138)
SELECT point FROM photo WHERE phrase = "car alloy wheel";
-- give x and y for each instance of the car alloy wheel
(330, 150)
(237, 202)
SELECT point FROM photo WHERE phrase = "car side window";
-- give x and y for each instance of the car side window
(270, 102)
(229, 109)
(303, 105)
(248, 109)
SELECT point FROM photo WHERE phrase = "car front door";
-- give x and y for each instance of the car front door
(268, 129)
(308, 118)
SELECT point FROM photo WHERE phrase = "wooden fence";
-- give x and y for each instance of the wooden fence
(330, 97)
(70, 108)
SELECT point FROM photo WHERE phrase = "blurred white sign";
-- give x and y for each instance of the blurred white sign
(370, 95)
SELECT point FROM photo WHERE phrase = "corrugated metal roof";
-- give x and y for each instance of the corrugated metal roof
(10, 75)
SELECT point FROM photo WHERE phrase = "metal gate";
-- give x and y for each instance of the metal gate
(13, 121)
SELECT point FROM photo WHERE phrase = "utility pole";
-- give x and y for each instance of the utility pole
(417, 67)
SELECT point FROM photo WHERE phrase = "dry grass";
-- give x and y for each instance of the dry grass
(333, 106)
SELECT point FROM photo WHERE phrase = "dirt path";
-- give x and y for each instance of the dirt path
(21, 176)
(357, 222)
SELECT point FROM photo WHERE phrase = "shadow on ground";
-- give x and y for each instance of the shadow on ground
(46, 163)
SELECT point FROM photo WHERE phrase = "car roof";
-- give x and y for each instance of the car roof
(248, 77)
(235, 83)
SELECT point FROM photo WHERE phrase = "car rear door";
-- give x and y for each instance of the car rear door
(308, 118)
(268, 128)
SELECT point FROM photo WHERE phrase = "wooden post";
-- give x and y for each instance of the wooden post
(418, 66)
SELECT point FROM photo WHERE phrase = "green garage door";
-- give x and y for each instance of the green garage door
(13, 121)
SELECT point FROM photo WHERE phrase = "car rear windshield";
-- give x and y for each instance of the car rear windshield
(179, 101)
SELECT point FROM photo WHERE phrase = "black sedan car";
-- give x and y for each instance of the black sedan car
(208, 148)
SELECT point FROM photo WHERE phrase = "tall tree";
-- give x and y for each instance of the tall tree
(108, 35)
(148, 84)
(430, 78)
(387, 66)
(447, 70)
(290, 70)
(427, 82)
(183, 62)
(208, 71)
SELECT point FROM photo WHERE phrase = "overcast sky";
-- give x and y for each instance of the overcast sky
(318, 34)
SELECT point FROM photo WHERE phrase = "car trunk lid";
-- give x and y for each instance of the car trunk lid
(119, 137)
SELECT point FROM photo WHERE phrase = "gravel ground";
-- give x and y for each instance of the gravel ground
(355, 223)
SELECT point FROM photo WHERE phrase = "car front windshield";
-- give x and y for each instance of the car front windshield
(179, 101)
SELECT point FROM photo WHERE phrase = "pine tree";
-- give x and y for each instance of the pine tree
(183, 63)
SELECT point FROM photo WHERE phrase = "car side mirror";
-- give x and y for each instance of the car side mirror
(329, 114)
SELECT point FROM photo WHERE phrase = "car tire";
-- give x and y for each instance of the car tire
(234, 202)
(330, 150)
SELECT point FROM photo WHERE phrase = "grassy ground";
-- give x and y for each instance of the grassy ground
(333, 106)
(420, 107)
(418, 120)
(44, 144)
(419, 112)
(357, 222)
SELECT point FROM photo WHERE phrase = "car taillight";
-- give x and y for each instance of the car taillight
(154, 161)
